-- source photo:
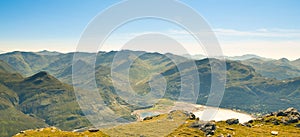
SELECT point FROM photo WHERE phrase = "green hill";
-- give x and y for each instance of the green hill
(50, 100)
(280, 69)
(46, 97)
(12, 120)
(37, 101)
(247, 88)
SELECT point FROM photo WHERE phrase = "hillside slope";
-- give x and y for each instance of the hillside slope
(12, 120)
(280, 69)
(37, 101)
(184, 124)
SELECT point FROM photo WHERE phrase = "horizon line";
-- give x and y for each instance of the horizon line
(184, 55)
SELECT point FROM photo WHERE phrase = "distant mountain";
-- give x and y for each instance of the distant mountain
(245, 88)
(246, 57)
(296, 63)
(236, 58)
(27, 63)
(280, 69)
(49, 53)
(195, 57)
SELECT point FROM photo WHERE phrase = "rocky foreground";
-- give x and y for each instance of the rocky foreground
(180, 123)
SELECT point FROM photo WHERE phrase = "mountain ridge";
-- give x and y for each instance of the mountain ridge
(52, 99)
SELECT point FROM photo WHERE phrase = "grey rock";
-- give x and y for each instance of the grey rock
(147, 118)
(232, 121)
(247, 124)
(93, 130)
(276, 122)
(291, 111)
(293, 119)
(275, 133)
(284, 121)
(192, 116)
(207, 127)
(281, 113)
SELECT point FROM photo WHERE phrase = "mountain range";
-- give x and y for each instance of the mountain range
(37, 89)
(279, 69)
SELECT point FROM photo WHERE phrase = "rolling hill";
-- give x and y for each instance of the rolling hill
(12, 120)
(37, 101)
(280, 69)
(50, 100)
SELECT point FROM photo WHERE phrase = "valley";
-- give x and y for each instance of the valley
(37, 89)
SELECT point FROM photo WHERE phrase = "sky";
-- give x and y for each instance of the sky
(268, 28)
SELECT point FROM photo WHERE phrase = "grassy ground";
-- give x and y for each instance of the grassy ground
(177, 125)
(259, 129)
(54, 132)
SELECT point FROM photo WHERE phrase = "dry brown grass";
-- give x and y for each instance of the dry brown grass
(178, 126)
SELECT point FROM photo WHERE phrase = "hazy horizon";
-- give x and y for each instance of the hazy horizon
(64, 52)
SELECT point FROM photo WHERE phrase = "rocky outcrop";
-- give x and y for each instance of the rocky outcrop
(232, 121)
(284, 117)
(207, 127)
(93, 130)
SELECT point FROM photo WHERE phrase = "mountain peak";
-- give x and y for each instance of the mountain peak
(284, 60)
(49, 53)
(43, 75)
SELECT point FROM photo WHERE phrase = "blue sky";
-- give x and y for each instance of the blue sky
(268, 28)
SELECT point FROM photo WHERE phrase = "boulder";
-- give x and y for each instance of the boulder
(281, 113)
(291, 111)
(275, 133)
(232, 121)
(207, 127)
(195, 125)
(276, 122)
(93, 130)
(192, 116)
(247, 124)
(209, 133)
(293, 119)
(284, 121)
(147, 118)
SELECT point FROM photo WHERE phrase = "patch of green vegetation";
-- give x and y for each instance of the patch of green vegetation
(13, 121)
